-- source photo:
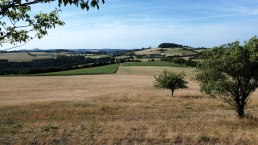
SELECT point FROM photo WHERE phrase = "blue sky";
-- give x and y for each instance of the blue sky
(129, 24)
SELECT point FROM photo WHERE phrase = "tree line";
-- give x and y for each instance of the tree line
(170, 45)
(60, 63)
(181, 61)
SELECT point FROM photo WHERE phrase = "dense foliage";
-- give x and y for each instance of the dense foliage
(181, 61)
(170, 80)
(170, 45)
(230, 73)
(51, 65)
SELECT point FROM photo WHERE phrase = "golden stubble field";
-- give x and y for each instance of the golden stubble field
(128, 81)
(123, 108)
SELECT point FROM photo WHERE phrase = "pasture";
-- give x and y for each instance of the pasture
(107, 69)
(122, 108)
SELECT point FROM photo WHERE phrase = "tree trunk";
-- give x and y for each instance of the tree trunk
(172, 91)
(241, 111)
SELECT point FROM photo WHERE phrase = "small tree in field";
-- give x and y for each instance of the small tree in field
(170, 80)
(230, 73)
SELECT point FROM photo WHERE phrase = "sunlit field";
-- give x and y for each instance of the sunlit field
(122, 108)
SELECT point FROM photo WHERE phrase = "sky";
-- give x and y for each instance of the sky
(129, 24)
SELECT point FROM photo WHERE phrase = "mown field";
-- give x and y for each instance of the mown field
(25, 57)
(107, 69)
(123, 108)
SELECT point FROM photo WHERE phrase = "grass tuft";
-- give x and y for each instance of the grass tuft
(47, 128)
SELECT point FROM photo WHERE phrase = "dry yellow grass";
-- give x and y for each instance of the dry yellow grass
(117, 109)
(128, 80)
(155, 70)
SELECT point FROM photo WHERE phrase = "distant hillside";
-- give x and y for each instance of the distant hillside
(69, 50)
(174, 45)
(168, 51)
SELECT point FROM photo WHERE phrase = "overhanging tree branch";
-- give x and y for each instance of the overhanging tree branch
(21, 23)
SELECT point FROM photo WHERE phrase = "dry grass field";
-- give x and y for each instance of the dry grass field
(123, 108)
(16, 57)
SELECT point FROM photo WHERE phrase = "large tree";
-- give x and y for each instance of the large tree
(18, 25)
(230, 73)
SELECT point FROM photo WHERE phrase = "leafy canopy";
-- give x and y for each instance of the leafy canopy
(18, 25)
(170, 80)
(230, 73)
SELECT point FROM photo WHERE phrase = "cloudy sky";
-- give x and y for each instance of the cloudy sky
(129, 24)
